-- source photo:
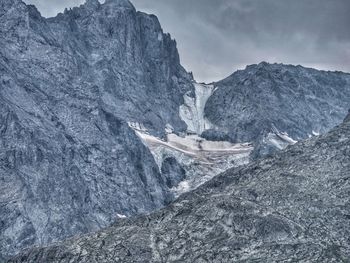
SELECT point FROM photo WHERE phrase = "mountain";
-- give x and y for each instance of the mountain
(254, 112)
(99, 121)
(274, 105)
(69, 85)
(293, 206)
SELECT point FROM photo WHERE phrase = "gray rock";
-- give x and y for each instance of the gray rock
(69, 163)
(291, 207)
(215, 135)
(69, 86)
(262, 99)
(172, 172)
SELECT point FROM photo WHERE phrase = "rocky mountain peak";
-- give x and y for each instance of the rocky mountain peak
(94, 4)
(34, 12)
(263, 65)
(120, 3)
(255, 103)
(7, 5)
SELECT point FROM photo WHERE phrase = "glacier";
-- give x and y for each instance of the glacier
(192, 111)
(201, 159)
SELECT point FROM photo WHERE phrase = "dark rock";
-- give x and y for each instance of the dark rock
(172, 172)
(215, 135)
(347, 118)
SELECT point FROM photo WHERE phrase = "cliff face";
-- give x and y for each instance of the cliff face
(69, 163)
(292, 206)
(109, 52)
(274, 105)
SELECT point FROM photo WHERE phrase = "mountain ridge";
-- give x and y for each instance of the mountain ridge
(81, 91)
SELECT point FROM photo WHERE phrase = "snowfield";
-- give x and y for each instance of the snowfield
(193, 145)
(279, 139)
(201, 159)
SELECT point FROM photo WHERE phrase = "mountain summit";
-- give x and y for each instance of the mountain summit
(120, 3)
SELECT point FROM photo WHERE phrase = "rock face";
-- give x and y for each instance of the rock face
(273, 105)
(293, 206)
(69, 163)
(173, 172)
(70, 86)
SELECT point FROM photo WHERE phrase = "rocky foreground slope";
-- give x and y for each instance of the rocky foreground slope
(69, 163)
(291, 207)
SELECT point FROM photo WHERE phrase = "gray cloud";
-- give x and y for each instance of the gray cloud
(217, 37)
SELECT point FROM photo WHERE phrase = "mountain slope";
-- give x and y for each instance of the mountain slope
(69, 163)
(273, 105)
(293, 206)
(71, 88)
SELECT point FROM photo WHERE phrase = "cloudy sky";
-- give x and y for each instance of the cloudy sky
(217, 37)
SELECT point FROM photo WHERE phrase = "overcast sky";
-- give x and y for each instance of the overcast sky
(217, 37)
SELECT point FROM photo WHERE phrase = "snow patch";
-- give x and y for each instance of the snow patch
(169, 129)
(201, 159)
(195, 144)
(278, 139)
(315, 133)
(137, 126)
(183, 187)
